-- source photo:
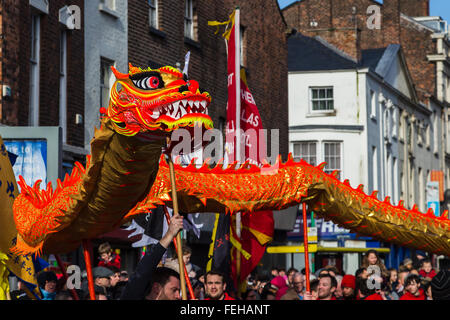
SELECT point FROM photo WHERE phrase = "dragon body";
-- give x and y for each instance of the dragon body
(127, 175)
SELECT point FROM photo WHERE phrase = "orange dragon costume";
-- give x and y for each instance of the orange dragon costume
(127, 175)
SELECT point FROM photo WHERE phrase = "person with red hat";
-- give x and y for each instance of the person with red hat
(348, 286)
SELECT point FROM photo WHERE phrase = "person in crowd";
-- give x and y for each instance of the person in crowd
(274, 272)
(250, 294)
(280, 283)
(372, 262)
(215, 286)
(415, 272)
(165, 285)
(413, 291)
(269, 291)
(331, 270)
(362, 273)
(47, 281)
(402, 275)
(102, 277)
(63, 295)
(426, 269)
(393, 278)
(107, 256)
(115, 288)
(363, 292)
(123, 276)
(290, 276)
(407, 264)
(143, 280)
(296, 292)
(314, 287)
(100, 293)
(199, 289)
(417, 259)
(325, 290)
(20, 293)
(390, 285)
(440, 285)
(190, 268)
(348, 287)
(425, 284)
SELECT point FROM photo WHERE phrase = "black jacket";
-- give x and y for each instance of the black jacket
(138, 283)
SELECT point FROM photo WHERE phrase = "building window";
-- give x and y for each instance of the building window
(322, 99)
(307, 151)
(153, 14)
(63, 85)
(373, 105)
(109, 4)
(33, 118)
(105, 81)
(436, 133)
(333, 157)
(189, 19)
(375, 168)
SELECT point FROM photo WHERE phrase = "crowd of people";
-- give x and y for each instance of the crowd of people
(156, 278)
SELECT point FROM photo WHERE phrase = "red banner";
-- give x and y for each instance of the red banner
(257, 227)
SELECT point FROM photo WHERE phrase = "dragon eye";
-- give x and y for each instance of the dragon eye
(148, 81)
(153, 82)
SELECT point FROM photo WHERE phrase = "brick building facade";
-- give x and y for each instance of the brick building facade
(32, 65)
(349, 26)
(264, 42)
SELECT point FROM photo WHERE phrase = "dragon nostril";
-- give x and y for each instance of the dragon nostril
(183, 89)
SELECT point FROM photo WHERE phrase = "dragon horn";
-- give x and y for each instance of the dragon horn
(119, 75)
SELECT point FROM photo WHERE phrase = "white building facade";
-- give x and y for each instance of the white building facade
(364, 120)
(106, 45)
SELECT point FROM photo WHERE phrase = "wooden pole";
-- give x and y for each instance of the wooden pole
(188, 282)
(305, 243)
(63, 270)
(87, 259)
(176, 213)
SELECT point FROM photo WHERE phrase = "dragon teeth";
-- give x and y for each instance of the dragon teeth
(191, 103)
(184, 102)
(197, 104)
(203, 103)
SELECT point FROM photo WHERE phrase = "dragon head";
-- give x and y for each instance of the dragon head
(156, 100)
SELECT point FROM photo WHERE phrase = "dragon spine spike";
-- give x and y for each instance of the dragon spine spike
(347, 182)
(387, 200)
(444, 215)
(290, 158)
(335, 174)
(374, 194)
(360, 188)
(415, 208)
(321, 166)
(430, 213)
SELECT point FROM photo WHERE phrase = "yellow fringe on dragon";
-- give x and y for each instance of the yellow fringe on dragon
(126, 176)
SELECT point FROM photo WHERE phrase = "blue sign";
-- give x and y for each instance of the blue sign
(435, 206)
(326, 230)
(31, 162)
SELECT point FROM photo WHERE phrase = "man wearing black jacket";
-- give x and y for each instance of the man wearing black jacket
(163, 283)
